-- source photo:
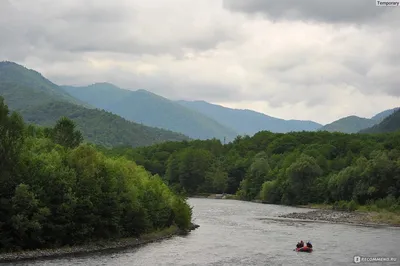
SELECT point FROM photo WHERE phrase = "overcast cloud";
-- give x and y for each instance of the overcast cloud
(311, 59)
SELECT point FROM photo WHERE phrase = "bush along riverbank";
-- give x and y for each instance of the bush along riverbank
(57, 191)
(98, 246)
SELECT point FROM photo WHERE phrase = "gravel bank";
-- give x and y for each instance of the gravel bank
(93, 247)
(358, 218)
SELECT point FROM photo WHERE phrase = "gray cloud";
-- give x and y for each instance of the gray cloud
(90, 26)
(338, 11)
(345, 62)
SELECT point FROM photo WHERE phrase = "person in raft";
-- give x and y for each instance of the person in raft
(300, 244)
(309, 244)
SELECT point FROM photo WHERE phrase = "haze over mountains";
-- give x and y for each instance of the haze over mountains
(152, 110)
(110, 116)
(197, 119)
(200, 119)
(249, 122)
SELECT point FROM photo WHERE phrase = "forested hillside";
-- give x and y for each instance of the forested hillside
(382, 115)
(24, 87)
(350, 124)
(42, 102)
(354, 124)
(142, 106)
(56, 191)
(389, 124)
(292, 168)
(100, 127)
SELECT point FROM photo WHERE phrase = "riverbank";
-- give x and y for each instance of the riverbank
(356, 217)
(213, 196)
(100, 246)
(361, 216)
(326, 213)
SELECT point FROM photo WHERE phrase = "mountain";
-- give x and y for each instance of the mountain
(42, 102)
(99, 127)
(382, 115)
(248, 122)
(24, 87)
(389, 124)
(354, 124)
(152, 110)
(349, 124)
(101, 95)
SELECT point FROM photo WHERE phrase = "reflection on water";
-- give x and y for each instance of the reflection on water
(232, 233)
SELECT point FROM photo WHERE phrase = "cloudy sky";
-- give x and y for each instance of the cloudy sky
(310, 59)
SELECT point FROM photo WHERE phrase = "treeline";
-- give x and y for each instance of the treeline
(56, 190)
(293, 168)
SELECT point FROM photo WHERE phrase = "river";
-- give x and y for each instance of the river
(232, 233)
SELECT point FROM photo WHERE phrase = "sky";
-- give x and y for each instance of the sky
(311, 60)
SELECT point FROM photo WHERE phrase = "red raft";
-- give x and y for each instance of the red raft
(304, 249)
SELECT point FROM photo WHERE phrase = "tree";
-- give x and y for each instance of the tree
(267, 190)
(64, 133)
(256, 175)
(11, 139)
(220, 181)
(27, 218)
(301, 175)
(193, 167)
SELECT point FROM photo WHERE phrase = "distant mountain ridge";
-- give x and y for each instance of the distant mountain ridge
(29, 92)
(349, 124)
(354, 124)
(150, 109)
(382, 115)
(95, 93)
(134, 105)
(42, 102)
(391, 123)
(247, 121)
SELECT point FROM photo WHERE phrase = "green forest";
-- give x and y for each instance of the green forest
(296, 168)
(56, 190)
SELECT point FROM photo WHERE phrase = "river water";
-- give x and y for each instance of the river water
(232, 233)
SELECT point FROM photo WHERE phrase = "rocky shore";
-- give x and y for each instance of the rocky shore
(332, 216)
(102, 246)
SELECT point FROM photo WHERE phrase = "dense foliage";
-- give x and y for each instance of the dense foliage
(152, 110)
(55, 191)
(292, 168)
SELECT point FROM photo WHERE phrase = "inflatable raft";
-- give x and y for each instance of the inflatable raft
(304, 249)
